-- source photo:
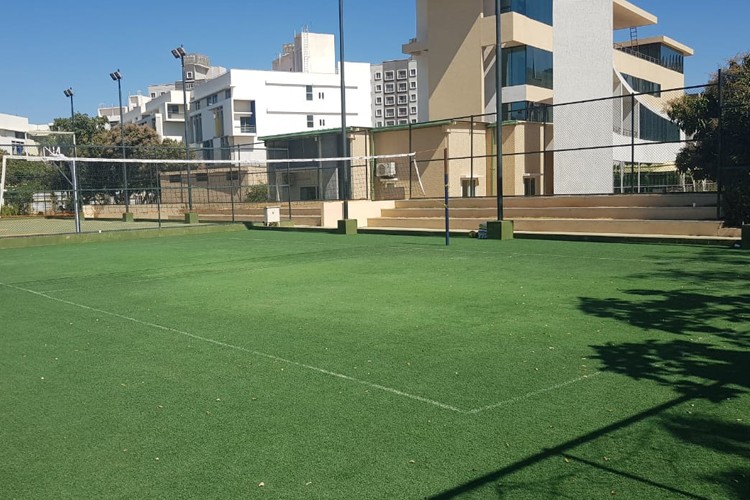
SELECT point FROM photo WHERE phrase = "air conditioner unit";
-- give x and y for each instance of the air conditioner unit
(386, 170)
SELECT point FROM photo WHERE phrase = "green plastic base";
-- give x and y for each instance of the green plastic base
(500, 230)
(746, 237)
(191, 218)
(347, 226)
(127, 217)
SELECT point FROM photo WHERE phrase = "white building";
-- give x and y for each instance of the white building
(13, 131)
(229, 113)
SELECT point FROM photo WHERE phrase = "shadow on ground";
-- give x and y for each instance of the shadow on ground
(699, 346)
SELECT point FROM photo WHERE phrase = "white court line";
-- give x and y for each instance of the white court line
(243, 349)
(372, 385)
(531, 394)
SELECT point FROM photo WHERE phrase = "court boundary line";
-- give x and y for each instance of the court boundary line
(305, 366)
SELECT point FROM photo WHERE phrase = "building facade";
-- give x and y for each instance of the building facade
(395, 93)
(553, 53)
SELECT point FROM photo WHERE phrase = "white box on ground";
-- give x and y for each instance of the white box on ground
(272, 215)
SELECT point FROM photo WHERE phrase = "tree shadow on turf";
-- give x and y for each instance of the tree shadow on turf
(700, 348)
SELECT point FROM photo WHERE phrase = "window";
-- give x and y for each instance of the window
(403, 122)
(233, 176)
(321, 95)
(402, 111)
(309, 92)
(247, 125)
(402, 99)
(197, 128)
(641, 85)
(401, 74)
(173, 111)
(389, 123)
(413, 110)
(527, 111)
(189, 85)
(379, 124)
(390, 100)
(212, 99)
(378, 100)
(378, 88)
(378, 75)
(175, 179)
(413, 97)
(322, 122)
(188, 75)
(388, 75)
(153, 95)
(414, 120)
(228, 94)
(527, 65)
(539, 10)
(389, 87)
(218, 121)
(402, 86)
(196, 105)
(202, 177)
(412, 85)
(389, 113)
(412, 72)
(310, 121)
(378, 112)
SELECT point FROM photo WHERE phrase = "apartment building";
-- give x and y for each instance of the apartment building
(395, 93)
(553, 52)
(230, 113)
(13, 131)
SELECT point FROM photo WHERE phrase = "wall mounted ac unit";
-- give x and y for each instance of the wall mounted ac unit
(386, 170)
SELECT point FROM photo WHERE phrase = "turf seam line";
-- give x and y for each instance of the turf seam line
(243, 349)
(531, 394)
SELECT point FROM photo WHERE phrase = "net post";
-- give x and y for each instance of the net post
(2, 184)
(446, 176)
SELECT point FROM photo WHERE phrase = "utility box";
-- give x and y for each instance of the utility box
(272, 216)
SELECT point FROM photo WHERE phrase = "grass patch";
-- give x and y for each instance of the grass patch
(373, 367)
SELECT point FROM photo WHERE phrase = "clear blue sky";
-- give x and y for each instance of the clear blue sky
(55, 45)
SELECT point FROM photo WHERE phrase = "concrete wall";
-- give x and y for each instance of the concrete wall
(583, 59)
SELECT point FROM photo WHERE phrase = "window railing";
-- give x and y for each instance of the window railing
(665, 64)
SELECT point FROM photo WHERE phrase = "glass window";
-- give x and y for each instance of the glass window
(402, 87)
(412, 72)
(539, 10)
(526, 65)
(389, 75)
(378, 75)
(389, 87)
(641, 85)
(309, 92)
(228, 94)
(310, 121)
(401, 74)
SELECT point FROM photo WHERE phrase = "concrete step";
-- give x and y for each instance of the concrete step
(648, 213)
(612, 200)
(298, 221)
(562, 225)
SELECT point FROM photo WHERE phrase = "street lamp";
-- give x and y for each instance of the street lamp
(69, 93)
(117, 76)
(179, 53)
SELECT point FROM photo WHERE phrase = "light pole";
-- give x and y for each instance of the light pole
(117, 76)
(69, 93)
(499, 107)
(344, 141)
(179, 53)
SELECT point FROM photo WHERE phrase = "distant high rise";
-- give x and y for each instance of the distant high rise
(395, 93)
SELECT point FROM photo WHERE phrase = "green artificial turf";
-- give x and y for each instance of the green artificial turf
(307, 365)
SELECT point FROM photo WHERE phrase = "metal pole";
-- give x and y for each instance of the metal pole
(74, 174)
(472, 192)
(499, 107)
(632, 143)
(122, 142)
(187, 145)
(411, 150)
(720, 130)
(344, 143)
(446, 175)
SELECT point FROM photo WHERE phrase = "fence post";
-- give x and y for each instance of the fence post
(447, 210)
(472, 190)
(411, 151)
(632, 143)
(719, 146)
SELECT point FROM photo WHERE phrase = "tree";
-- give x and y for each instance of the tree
(141, 142)
(698, 116)
(24, 179)
(84, 126)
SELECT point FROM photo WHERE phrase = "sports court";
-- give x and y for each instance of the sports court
(310, 365)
